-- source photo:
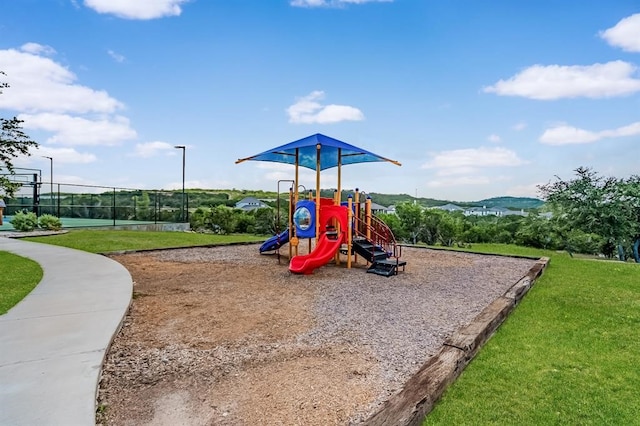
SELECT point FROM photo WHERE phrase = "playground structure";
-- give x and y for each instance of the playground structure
(348, 228)
(338, 227)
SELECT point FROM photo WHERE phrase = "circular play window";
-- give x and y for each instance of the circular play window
(302, 218)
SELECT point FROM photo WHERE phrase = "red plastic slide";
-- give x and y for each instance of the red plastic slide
(321, 255)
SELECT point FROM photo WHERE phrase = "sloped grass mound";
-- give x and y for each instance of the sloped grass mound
(567, 355)
(18, 276)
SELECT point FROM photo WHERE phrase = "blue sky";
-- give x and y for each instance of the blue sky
(475, 99)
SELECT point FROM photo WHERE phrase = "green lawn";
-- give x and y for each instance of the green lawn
(569, 354)
(102, 241)
(19, 276)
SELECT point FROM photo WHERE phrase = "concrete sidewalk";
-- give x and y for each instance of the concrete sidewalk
(52, 344)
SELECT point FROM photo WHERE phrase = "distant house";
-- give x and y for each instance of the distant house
(484, 211)
(476, 211)
(516, 213)
(377, 208)
(493, 211)
(250, 203)
(450, 208)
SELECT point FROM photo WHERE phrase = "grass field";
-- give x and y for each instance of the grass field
(567, 355)
(103, 241)
(19, 276)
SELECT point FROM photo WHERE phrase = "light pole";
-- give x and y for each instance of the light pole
(50, 182)
(183, 148)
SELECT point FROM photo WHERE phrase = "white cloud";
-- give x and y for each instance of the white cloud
(281, 171)
(40, 84)
(332, 3)
(199, 184)
(494, 138)
(308, 3)
(137, 9)
(308, 110)
(150, 149)
(282, 167)
(530, 190)
(116, 56)
(519, 126)
(69, 130)
(38, 49)
(551, 82)
(458, 181)
(565, 135)
(48, 98)
(71, 181)
(625, 34)
(469, 161)
(63, 155)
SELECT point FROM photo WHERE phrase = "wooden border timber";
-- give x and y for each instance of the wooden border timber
(419, 395)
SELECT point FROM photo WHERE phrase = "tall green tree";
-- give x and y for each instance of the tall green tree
(606, 206)
(448, 229)
(13, 142)
(410, 216)
(222, 219)
(430, 221)
(144, 207)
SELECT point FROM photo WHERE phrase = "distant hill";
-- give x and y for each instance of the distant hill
(511, 202)
(514, 203)
(209, 197)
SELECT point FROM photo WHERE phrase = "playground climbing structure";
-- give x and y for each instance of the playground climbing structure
(337, 226)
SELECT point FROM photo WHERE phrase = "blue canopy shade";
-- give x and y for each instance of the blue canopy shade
(332, 153)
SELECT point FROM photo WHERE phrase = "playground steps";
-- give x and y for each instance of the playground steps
(386, 267)
(381, 264)
(368, 250)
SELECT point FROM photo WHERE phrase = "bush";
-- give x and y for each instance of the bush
(199, 219)
(50, 222)
(25, 222)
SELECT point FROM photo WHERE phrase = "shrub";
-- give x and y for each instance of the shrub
(199, 219)
(24, 222)
(50, 222)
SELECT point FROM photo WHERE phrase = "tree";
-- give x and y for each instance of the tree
(608, 207)
(448, 229)
(393, 222)
(243, 222)
(430, 221)
(265, 223)
(13, 142)
(222, 220)
(536, 231)
(144, 207)
(410, 216)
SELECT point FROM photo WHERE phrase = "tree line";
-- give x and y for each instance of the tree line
(588, 214)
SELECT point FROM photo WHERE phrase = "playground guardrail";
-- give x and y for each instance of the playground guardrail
(379, 234)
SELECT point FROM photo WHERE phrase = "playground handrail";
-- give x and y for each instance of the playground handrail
(379, 235)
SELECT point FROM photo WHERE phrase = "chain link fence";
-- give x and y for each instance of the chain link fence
(92, 202)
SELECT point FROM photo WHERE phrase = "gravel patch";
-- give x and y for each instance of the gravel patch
(329, 347)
